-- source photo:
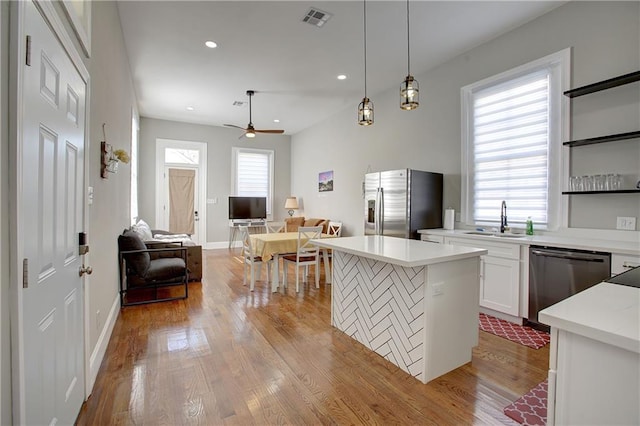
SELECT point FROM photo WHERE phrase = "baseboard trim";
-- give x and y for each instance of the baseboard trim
(221, 245)
(101, 346)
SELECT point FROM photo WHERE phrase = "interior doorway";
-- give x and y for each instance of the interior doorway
(181, 187)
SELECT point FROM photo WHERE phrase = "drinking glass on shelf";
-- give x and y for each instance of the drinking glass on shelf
(598, 182)
(574, 183)
(618, 180)
(587, 183)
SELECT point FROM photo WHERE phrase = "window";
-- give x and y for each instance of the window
(253, 174)
(511, 136)
(181, 156)
(134, 167)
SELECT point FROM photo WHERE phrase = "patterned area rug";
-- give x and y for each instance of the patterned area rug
(530, 408)
(516, 333)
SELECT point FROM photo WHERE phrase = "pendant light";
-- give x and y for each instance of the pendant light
(409, 88)
(365, 109)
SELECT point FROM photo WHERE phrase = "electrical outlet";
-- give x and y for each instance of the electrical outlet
(626, 223)
(438, 289)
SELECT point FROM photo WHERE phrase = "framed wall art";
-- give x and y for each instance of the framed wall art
(325, 181)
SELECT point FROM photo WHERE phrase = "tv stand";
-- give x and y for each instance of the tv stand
(251, 223)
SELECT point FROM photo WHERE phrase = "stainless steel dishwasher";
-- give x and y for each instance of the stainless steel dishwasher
(557, 273)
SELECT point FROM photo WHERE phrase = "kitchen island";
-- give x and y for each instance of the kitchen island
(414, 303)
(594, 361)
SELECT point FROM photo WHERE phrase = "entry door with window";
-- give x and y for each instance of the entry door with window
(181, 193)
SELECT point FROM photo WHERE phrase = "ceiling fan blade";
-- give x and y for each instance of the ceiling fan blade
(234, 126)
(269, 131)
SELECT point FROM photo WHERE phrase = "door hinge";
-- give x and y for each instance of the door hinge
(25, 273)
(28, 58)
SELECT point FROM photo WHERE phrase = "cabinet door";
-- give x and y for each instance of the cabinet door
(500, 284)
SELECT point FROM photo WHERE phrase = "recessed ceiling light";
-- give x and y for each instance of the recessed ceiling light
(342, 77)
(211, 44)
(190, 108)
(275, 120)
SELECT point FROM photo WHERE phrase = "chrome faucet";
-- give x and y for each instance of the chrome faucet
(503, 217)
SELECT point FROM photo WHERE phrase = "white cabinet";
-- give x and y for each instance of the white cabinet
(623, 262)
(500, 274)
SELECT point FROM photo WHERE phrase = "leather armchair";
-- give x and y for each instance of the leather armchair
(144, 268)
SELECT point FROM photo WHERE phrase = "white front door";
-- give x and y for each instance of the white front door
(181, 200)
(182, 156)
(52, 214)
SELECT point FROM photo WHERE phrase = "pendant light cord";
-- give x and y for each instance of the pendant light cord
(408, 51)
(365, 47)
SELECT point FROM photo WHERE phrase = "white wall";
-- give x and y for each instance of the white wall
(605, 37)
(112, 100)
(220, 141)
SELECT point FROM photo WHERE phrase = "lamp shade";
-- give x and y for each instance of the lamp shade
(291, 204)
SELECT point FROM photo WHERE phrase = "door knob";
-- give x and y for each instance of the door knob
(88, 270)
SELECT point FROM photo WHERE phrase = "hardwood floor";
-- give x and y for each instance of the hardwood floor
(229, 356)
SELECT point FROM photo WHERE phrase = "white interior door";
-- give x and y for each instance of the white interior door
(187, 156)
(52, 214)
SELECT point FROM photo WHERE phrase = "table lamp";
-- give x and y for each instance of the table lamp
(291, 204)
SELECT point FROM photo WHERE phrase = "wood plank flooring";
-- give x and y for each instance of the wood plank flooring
(229, 356)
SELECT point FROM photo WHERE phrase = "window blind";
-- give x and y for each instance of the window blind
(254, 174)
(510, 149)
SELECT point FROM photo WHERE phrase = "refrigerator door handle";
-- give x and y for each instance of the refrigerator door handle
(380, 209)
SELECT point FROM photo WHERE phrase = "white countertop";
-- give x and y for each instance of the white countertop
(609, 313)
(399, 251)
(613, 246)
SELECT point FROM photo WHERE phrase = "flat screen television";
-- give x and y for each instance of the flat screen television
(247, 208)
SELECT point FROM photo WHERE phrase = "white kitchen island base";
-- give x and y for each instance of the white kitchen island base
(421, 317)
(594, 359)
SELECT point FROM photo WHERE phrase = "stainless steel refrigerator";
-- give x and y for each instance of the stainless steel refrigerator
(399, 202)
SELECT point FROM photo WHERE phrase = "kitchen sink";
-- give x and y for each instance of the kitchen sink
(493, 234)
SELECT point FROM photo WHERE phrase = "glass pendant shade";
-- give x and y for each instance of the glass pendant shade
(365, 112)
(409, 93)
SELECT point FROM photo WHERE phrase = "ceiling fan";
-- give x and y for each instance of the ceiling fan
(250, 131)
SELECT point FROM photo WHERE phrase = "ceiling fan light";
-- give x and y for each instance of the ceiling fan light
(365, 112)
(250, 134)
(409, 93)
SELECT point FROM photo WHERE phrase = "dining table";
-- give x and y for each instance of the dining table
(272, 246)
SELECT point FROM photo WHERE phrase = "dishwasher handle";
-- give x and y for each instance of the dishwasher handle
(569, 255)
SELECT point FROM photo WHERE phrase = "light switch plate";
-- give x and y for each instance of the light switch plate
(626, 223)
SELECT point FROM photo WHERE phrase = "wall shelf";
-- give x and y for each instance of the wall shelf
(603, 139)
(603, 85)
(619, 191)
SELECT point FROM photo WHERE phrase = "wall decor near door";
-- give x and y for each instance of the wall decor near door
(109, 158)
(325, 181)
(108, 164)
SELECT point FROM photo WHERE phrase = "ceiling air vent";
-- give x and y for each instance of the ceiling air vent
(316, 17)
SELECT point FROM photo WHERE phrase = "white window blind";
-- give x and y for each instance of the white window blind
(254, 174)
(513, 125)
(511, 149)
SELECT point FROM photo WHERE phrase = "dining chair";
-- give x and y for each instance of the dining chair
(250, 259)
(335, 228)
(273, 227)
(307, 254)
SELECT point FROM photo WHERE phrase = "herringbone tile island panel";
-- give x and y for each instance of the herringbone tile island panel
(371, 307)
(226, 356)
